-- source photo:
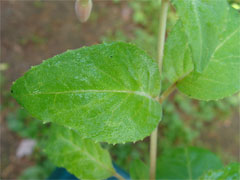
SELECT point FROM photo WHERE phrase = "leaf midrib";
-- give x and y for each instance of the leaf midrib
(223, 42)
(189, 167)
(139, 93)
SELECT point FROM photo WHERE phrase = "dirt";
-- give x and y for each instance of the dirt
(31, 33)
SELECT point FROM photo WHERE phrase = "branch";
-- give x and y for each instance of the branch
(166, 93)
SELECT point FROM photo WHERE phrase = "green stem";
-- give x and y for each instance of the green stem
(162, 32)
(153, 153)
(161, 40)
(166, 93)
(119, 176)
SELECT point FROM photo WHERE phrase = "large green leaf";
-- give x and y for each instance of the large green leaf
(230, 172)
(221, 76)
(107, 92)
(81, 157)
(186, 163)
(208, 25)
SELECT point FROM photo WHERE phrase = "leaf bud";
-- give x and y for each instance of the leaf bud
(83, 9)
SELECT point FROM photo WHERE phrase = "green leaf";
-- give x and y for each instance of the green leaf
(230, 172)
(40, 171)
(107, 92)
(186, 163)
(81, 157)
(220, 77)
(208, 26)
(139, 170)
(177, 57)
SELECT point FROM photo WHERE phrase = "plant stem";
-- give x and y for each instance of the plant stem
(162, 32)
(166, 93)
(161, 40)
(153, 153)
(119, 176)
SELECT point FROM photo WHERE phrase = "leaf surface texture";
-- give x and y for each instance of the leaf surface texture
(107, 92)
(230, 172)
(203, 56)
(186, 163)
(81, 157)
(208, 25)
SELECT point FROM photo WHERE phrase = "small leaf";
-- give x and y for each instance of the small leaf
(107, 92)
(230, 172)
(81, 157)
(186, 163)
(139, 170)
(208, 25)
(220, 77)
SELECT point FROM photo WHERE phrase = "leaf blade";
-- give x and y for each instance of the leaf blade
(139, 170)
(230, 172)
(221, 76)
(186, 163)
(82, 157)
(107, 92)
(208, 25)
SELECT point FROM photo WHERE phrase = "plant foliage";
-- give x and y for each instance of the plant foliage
(139, 170)
(107, 92)
(82, 157)
(202, 51)
(230, 172)
(186, 163)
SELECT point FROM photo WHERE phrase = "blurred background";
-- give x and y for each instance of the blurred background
(35, 30)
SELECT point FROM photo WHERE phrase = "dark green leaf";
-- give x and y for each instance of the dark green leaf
(107, 92)
(230, 172)
(186, 163)
(39, 171)
(19, 120)
(81, 157)
(139, 170)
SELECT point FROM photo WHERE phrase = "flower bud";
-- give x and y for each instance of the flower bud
(83, 9)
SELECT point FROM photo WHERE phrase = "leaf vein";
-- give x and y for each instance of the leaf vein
(139, 93)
